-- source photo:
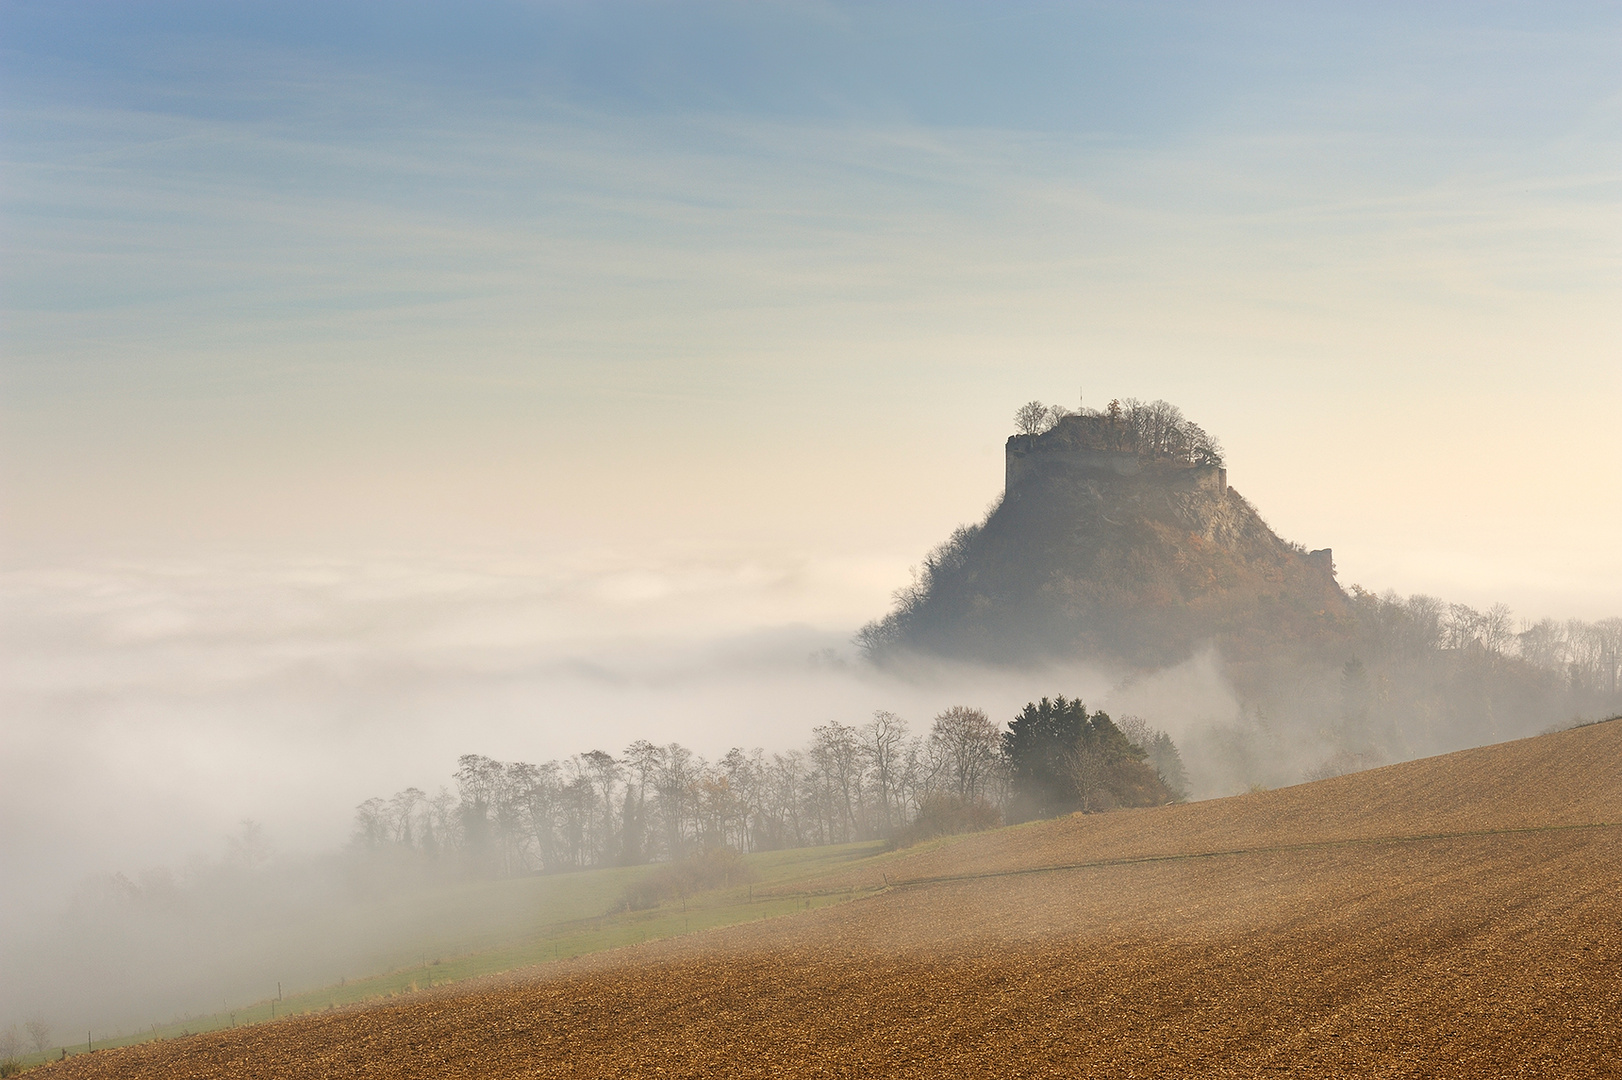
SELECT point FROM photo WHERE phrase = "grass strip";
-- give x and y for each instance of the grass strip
(1226, 852)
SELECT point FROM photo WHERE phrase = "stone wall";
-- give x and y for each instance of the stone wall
(1027, 455)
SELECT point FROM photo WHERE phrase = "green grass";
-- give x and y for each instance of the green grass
(482, 928)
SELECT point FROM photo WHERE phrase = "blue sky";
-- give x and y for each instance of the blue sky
(328, 276)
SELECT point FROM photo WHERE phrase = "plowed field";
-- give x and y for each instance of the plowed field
(1455, 917)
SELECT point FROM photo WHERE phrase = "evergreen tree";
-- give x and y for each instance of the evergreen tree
(1062, 759)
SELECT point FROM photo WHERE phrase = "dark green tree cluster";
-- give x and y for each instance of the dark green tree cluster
(1062, 759)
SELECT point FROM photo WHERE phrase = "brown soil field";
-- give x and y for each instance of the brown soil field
(1563, 779)
(1454, 917)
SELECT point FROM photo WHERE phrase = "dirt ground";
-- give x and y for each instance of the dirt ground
(1457, 917)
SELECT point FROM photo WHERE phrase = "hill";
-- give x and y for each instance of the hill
(1117, 536)
(1118, 544)
(1455, 917)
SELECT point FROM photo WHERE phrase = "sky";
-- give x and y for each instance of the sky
(378, 380)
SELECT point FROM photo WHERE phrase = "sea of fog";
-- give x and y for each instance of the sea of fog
(152, 707)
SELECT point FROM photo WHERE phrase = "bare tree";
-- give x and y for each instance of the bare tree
(964, 743)
(371, 823)
(1032, 418)
(1088, 769)
(674, 777)
(602, 773)
(782, 784)
(519, 779)
(727, 795)
(478, 779)
(1610, 633)
(403, 812)
(442, 834)
(538, 806)
(883, 743)
(836, 754)
(1463, 626)
(641, 759)
(1160, 751)
(1422, 624)
(39, 1034)
(1495, 628)
(1543, 644)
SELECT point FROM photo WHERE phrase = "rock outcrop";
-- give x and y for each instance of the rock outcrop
(1113, 542)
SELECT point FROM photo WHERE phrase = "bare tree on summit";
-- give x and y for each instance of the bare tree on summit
(1032, 418)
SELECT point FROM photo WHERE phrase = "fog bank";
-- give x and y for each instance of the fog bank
(151, 708)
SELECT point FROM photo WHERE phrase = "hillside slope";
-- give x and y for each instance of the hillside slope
(1565, 779)
(1454, 917)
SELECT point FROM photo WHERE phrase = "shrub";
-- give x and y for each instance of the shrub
(11, 1052)
(947, 815)
(717, 868)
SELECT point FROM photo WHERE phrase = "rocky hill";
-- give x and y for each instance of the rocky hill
(1117, 536)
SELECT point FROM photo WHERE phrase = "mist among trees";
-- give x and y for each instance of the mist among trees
(1143, 566)
(874, 781)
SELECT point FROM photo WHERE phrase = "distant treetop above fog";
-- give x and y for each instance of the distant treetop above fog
(1156, 429)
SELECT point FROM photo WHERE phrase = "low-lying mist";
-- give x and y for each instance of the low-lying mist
(153, 708)
(188, 744)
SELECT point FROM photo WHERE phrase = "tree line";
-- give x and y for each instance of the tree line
(1583, 657)
(1429, 675)
(850, 782)
(1151, 428)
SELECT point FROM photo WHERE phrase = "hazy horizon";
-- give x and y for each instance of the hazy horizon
(384, 383)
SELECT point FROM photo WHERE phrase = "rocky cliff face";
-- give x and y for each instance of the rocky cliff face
(1101, 548)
